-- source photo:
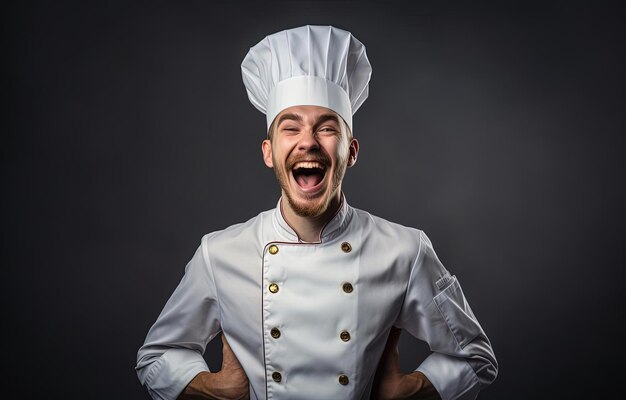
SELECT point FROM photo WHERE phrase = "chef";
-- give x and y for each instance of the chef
(310, 296)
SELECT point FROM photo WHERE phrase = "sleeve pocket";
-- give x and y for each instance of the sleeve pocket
(457, 313)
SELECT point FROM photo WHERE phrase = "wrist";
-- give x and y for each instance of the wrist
(423, 388)
(197, 388)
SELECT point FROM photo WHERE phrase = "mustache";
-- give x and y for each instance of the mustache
(315, 157)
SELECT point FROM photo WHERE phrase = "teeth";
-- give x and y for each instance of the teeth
(308, 164)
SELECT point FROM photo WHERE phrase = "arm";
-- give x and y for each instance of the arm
(230, 383)
(391, 383)
(435, 310)
(171, 356)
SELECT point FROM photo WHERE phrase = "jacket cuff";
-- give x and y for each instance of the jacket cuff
(172, 372)
(453, 377)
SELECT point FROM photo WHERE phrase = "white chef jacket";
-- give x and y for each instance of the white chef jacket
(310, 320)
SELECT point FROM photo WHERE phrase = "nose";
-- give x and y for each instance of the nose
(308, 141)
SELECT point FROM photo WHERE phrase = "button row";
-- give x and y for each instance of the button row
(344, 335)
(345, 247)
(347, 287)
(343, 379)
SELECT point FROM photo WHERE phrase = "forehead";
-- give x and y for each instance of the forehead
(308, 114)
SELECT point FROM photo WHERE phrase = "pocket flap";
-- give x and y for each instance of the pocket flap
(457, 313)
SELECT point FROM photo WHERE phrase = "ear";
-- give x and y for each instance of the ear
(354, 152)
(266, 147)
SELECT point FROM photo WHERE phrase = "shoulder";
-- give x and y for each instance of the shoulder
(412, 244)
(234, 233)
(384, 233)
(386, 227)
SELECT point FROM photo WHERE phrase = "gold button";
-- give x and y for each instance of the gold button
(277, 377)
(345, 336)
(273, 287)
(275, 332)
(273, 249)
(343, 379)
(347, 287)
(345, 246)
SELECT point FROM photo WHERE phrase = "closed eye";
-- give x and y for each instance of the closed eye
(327, 130)
(290, 129)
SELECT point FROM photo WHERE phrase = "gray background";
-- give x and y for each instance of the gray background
(496, 128)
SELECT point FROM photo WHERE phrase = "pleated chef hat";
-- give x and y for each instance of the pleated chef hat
(309, 65)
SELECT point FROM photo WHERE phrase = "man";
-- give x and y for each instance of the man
(310, 297)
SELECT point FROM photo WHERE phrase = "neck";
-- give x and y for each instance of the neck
(309, 229)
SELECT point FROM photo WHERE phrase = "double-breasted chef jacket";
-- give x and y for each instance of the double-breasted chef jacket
(311, 320)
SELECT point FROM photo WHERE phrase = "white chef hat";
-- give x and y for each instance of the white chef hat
(309, 65)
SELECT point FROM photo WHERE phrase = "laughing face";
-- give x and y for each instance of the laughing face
(309, 149)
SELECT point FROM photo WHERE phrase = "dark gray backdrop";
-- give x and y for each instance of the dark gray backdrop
(495, 128)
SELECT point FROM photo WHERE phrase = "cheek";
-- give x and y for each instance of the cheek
(343, 151)
(279, 158)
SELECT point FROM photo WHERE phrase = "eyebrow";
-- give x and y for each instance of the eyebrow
(326, 117)
(289, 116)
(296, 117)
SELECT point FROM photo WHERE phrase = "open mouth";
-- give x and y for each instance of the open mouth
(308, 174)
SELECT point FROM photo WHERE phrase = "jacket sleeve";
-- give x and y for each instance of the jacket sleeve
(171, 355)
(436, 311)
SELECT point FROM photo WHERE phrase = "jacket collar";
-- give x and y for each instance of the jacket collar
(335, 227)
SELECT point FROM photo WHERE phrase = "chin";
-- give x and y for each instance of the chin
(308, 208)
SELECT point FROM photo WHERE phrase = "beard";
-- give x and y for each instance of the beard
(314, 205)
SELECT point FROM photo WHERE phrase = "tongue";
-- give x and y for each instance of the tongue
(308, 181)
